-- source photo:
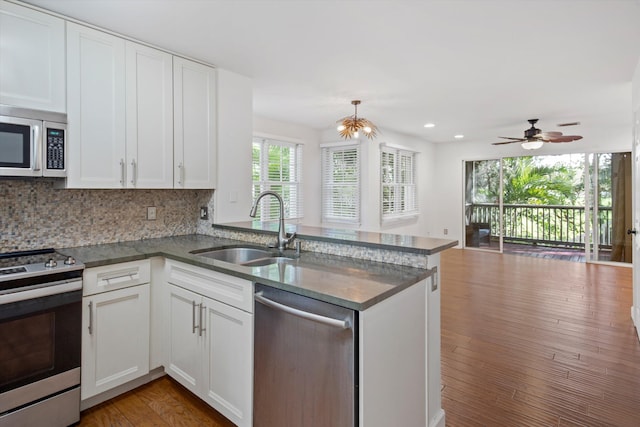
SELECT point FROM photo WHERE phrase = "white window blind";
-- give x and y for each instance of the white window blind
(398, 176)
(341, 183)
(277, 166)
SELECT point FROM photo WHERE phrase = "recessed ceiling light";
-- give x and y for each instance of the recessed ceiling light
(429, 125)
(459, 136)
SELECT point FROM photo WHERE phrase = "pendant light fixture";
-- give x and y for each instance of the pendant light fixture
(351, 126)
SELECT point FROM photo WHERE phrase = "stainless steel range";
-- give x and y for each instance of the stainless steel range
(40, 321)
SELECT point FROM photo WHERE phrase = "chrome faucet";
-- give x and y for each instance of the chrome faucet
(283, 240)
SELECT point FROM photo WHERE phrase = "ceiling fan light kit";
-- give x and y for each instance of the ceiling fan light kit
(532, 145)
(351, 126)
(534, 138)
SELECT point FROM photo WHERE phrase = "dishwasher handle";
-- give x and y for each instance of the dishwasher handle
(344, 324)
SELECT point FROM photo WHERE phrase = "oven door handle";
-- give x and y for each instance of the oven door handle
(45, 290)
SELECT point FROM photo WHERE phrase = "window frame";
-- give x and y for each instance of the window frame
(266, 208)
(330, 215)
(405, 203)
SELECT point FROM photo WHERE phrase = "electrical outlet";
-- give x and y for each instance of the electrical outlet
(204, 212)
(151, 213)
(446, 231)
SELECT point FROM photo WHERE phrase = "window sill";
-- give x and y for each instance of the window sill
(398, 220)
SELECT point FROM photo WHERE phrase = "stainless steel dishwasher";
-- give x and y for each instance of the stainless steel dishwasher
(305, 368)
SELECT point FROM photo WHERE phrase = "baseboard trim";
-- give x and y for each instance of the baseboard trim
(438, 419)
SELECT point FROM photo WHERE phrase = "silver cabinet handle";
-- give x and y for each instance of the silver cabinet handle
(90, 318)
(133, 275)
(202, 328)
(122, 167)
(134, 172)
(193, 317)
(344, 324)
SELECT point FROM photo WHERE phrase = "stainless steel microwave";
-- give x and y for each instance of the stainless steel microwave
(32, 143)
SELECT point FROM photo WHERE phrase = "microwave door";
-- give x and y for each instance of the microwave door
(20, 147)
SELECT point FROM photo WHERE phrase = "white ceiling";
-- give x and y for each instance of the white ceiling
(476, 67)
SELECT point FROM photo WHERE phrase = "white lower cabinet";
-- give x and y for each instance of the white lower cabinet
(185, 345)
(115, 326)
(210, 344)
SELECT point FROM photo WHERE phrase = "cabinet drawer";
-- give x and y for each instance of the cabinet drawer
(116, 276)
(230, 290)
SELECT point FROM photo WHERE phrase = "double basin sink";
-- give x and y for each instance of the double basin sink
(247, 256)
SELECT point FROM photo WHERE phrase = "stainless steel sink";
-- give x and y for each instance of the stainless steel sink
(268, 261)
(236, 255)
(248, 256)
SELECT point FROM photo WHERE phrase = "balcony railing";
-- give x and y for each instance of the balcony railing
(542, 224)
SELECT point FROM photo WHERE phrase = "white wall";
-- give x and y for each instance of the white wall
(311, 160)
(235, 115)
(370, 196)
(448, 197)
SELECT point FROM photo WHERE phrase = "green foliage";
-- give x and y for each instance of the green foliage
(542, 180)
(532, 181)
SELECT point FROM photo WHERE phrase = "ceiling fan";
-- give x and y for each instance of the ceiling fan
(534, 138)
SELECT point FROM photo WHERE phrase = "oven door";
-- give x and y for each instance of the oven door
(40, 351)
(20, 141)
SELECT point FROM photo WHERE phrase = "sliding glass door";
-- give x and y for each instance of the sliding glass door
(568, 206)
(610, 210)
(483, 189)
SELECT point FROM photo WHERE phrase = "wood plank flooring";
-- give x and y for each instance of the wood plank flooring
(537, 342)
(525, 342)
(160, 403)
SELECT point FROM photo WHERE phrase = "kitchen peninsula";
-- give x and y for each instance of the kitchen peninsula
(392, 281)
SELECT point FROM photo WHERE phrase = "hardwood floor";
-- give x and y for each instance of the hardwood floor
(537, 342)
(162, 402)
(525, 342)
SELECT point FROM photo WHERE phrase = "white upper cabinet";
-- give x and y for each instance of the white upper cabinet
(96, 108)
(120, 112)
(149, 109)
(32, 59)
(195, 154)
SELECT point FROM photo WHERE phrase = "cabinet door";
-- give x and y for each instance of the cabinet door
(96, 108)
(185, 348)
(194, 124)
(149, 120)
(115, 343)
(32, 59)
(228, 365)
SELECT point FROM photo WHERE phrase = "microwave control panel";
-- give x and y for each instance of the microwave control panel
(55, 148)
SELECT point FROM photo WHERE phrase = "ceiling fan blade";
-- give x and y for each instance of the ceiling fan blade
(514, 139)
(565, 138)
(504, 142)
(568, 124)
(549, 135)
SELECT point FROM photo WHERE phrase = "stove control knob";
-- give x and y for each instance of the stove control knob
(51, 263)
(70, 261)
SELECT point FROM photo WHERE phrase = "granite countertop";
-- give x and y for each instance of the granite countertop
(348, 282)
(370, 239)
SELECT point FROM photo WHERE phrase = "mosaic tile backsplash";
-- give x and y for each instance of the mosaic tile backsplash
(34, 214)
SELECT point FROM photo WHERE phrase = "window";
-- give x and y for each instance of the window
(277, 167)
(398, 186)
(341, 183)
